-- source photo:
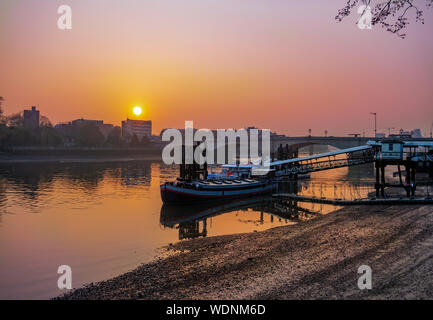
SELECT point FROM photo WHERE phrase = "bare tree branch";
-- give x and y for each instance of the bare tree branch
(389, 14)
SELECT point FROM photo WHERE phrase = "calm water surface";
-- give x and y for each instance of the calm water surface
(106, 219)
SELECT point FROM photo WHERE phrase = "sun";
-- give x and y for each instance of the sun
(137, 110)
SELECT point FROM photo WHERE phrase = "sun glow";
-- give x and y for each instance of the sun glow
(137, 110)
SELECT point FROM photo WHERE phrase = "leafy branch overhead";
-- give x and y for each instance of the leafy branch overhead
(393, 15)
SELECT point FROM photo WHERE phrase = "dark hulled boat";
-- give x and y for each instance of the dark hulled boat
(213, 190)
(195, 185)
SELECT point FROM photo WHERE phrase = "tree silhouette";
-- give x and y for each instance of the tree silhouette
(134, 140)
(113, 137)
(45, 122)
(389, 14)
(1, 109)
(15, 120)
(3, 121)
(88, 134)
(145, 141)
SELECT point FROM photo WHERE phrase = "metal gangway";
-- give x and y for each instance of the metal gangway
(324, 161)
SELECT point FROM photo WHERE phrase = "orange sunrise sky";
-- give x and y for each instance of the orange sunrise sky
(278, 64)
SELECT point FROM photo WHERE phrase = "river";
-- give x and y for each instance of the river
(104, 219)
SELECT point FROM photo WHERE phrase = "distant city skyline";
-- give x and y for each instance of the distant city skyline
(149, 130)
(274, 64)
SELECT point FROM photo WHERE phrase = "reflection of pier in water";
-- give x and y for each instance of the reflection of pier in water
(192, 220)
(191, 230)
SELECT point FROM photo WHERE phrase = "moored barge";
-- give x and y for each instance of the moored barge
(213, 190)
(196, 185)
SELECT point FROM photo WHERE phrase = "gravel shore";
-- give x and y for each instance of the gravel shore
(316, 259)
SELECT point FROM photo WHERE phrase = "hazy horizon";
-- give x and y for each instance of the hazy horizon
(271, 64)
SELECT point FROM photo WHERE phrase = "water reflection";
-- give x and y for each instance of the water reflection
(31, 186)
(105, 218)
(192, 220)
(187, 218)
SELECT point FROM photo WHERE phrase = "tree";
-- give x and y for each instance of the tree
(15, 120)
(49, 136)
(134, 140)
(145, 141)
(125, 138)
(89, 135)
(45, 122)
(113, 137)
(16, 136)
(1, 109)
(389, 14)
(3, 121)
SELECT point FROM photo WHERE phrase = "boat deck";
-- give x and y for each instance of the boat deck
(225, 183)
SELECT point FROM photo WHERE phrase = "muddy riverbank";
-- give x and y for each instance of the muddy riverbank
(316, 259)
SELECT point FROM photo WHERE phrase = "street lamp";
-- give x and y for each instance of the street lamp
(375, 123)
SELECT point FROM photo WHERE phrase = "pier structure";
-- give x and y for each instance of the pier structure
(324, 161)
(413, 156)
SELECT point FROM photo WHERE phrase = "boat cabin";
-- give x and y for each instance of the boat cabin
(392, 149)
(237, 171)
